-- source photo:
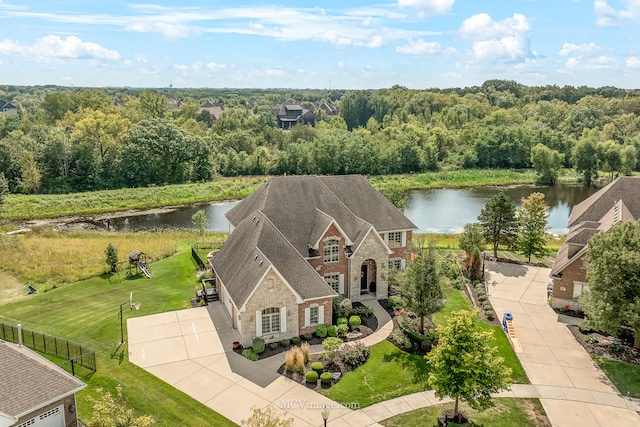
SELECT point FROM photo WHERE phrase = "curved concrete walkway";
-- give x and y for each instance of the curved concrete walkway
(191, 350)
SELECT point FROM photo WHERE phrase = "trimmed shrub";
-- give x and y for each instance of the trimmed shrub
(332, 331)
(343, 330)
(295, 340)
(258, 345)
(482, 298)
(355, 321)
(362, 311)
(307, 337)
(318, 367)
(311, 377)
(285, 343)
(480, 294)
(396, 302)
(342, 321)
(590, 339)
(490, 314)
(321, 331)
(326, 378)
(400, 338)
(354, 354)
(409, 332)
(331, 346)
(341, 306)
(273, 345)
(250, 354)
(487, 305)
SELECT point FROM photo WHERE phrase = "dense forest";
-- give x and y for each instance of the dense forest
(78, 139)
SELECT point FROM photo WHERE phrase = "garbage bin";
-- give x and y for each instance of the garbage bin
(507, 316)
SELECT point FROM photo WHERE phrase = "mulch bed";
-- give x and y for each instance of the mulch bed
(601, 348)
(336, 366)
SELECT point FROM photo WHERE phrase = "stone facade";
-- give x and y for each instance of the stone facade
(371, 248)
(326, 303)
(70, 417)
(563, 286)
(271, 292)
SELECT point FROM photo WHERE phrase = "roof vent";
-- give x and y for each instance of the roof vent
(616, 211)
(256, 258)
(261, 262)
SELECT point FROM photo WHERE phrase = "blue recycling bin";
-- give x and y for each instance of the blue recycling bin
(507, 316)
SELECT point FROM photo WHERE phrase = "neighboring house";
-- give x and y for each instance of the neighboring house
(8, 107)
(297, 242)
(617, 202)
(34, 391)
(213, 108)
(329, 109)
(291, 113)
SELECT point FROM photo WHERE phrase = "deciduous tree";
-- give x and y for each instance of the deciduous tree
(4, 189)
(113, 411)
(421, 286)
(465, 364)
(585, 155)
(199, 219)
(547, 163)
(498, 221)
(270, 416)
(613, 273)
(472, 243)
(533, 223)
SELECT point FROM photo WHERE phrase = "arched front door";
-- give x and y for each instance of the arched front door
(368, 274)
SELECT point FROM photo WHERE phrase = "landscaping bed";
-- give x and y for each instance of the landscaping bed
(607, 346)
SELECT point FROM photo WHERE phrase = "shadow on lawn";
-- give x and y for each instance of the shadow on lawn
(412, 363)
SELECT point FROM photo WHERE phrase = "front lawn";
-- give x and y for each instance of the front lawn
(507, 412)
(87, 312)
(388, 373)
(625, 376)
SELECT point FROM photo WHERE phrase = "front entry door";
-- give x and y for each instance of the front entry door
(364, 278)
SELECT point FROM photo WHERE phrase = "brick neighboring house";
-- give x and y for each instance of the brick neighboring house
(290, 113)
(617, 202)
(34, 391)
(297, 242)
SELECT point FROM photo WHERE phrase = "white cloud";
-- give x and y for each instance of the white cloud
(492, 40)
(607, 16)
(340, 64)
(169, 30)
(54, 47)
(432, 7)
(419, 47)
(570, 49)
(300, 70)
(633, 62)
(598, 63)
(199, 66)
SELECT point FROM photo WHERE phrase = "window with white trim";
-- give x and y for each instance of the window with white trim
(271, 320)
(331, 250)
(579, 288)
(395, 239)
(333, 280)
(396, 263)
(313, 316)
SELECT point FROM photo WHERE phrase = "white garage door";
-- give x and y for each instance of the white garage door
(52, 418)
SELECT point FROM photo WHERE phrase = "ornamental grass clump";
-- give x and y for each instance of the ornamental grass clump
(305, 348)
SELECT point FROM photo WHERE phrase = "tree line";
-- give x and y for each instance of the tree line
(66, 139)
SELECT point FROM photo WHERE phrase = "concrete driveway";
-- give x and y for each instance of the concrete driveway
(192, 350)
(572, 388)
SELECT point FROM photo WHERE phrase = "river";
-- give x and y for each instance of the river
(432, 211)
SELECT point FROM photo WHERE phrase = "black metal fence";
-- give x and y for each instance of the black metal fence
(80, 361)
(197, 259)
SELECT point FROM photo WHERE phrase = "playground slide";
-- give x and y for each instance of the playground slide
(145, 269)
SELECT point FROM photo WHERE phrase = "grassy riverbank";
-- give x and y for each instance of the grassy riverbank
(20, 207)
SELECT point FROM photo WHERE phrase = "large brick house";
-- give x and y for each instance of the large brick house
(34, 391)
(291, 113)
(617, 202)
(297, 242)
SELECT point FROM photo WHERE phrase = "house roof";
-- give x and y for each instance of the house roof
(29, 381)
(255, 246)
(615, 203)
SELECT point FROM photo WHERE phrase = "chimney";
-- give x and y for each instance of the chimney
(19, 335)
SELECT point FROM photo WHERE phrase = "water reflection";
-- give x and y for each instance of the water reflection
(434, 211)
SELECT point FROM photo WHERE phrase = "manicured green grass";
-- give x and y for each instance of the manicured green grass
(456, 300)
(86, 312)
(625, 376)
(388, 373)
(508, 412)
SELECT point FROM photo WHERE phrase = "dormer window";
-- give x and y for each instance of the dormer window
(331, 250)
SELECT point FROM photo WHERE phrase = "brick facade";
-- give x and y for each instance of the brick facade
(326, 303)
(70, 418)
(341, 267)
(563, 287)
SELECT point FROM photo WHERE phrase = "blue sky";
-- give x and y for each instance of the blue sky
(339, 44)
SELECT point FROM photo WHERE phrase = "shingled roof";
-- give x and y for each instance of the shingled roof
(615, 203)
(255, 246)
(29, 381)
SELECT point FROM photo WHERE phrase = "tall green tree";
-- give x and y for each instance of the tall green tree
(4, 189)
(472, 243)
(613, 274)
(498, 221)
(585, 155)
(547, 163)
(111, 256)
(465, 364)
(421, 286)
(533, 224)
(199, 219)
